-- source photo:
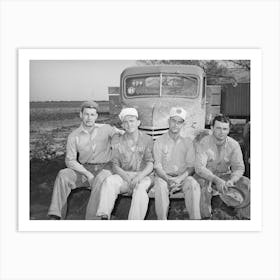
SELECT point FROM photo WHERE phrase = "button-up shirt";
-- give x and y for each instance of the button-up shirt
(93, 147)
(173, 156)
(133, 158)
(212, 159)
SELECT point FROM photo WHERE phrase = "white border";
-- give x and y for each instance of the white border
(24, 57)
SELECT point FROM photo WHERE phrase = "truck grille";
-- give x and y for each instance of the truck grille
(153, 132)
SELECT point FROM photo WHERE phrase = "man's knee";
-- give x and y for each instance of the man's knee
(244, 181)
(191, 185)
(65, 175)
(160, 184)
(102, 175)
(112, 182)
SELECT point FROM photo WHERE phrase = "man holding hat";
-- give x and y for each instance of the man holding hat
(132, 166)
(88, 152)
(174, 164)
(219, 168)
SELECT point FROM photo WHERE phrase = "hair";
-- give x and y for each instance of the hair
(221, 118)
(89, 104)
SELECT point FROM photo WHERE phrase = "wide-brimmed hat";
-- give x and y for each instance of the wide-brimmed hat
(237, 196)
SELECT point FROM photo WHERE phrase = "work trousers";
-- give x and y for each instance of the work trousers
(191, 192)
(115, 185)
(68, 180)
(207, 192)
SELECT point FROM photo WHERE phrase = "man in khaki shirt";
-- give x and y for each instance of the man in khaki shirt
(174, 164)
(132, 166)
(88, 152)
(219, 164)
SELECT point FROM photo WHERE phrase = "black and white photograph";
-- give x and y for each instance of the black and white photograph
(139, 140)
(78, 114)
(143, 139)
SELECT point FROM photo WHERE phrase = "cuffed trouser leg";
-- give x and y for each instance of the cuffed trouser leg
(64, 183)
(94, 199)
(192, 192)
(110, 190)
(140, 200)
(161, 198)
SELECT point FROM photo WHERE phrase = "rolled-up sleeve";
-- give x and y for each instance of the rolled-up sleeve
(237, 163)
(71, 154)
(201, 163)
(113, 130)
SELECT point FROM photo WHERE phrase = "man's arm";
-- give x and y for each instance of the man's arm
(71, 159)
(190, 161)
(114, 130)
(201, 169)
(158, 163)
(237, 164)
(116, 164)
(149, 160)
(201, 163)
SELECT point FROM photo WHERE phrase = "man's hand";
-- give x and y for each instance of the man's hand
(220, 185)
(90, 178)
(135, 181)
(229, 184)
(175, 181)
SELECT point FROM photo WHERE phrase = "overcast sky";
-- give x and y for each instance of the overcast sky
(74, 80)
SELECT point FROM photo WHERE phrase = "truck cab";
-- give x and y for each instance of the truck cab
(153, 90)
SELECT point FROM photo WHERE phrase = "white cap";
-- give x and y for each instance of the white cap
(179, 112)
(128, 112)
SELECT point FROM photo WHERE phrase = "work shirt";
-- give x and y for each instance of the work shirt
(217, 160)
(173, 156)
(133, 158)
(94, 147)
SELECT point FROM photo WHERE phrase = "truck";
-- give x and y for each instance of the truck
(154, 89)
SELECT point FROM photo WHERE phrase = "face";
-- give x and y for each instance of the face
(88, 116)
(220, 130)
(175, 124)
(130, 124)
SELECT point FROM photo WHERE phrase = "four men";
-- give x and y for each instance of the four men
(113, 165)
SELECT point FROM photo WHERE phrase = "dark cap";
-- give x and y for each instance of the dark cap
(89, 104)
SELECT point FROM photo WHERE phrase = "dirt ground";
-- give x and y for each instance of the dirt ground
(48, 133)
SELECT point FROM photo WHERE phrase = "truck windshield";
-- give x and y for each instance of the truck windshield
(161, 85)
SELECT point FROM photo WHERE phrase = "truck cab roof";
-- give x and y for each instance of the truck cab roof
(180, 69)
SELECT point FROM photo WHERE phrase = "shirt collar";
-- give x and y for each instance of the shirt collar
(81, 129)
(140, 136)
(215, 143)
(171, 139)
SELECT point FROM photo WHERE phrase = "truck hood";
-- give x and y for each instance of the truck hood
(154, 115)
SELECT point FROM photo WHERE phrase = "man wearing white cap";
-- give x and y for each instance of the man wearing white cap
(174, 164)
(88, 153)
(132, 166)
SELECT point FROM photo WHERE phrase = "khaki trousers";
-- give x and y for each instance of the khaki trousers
(191, 191)
(115, 185)
(68, 180)
(207, 193)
